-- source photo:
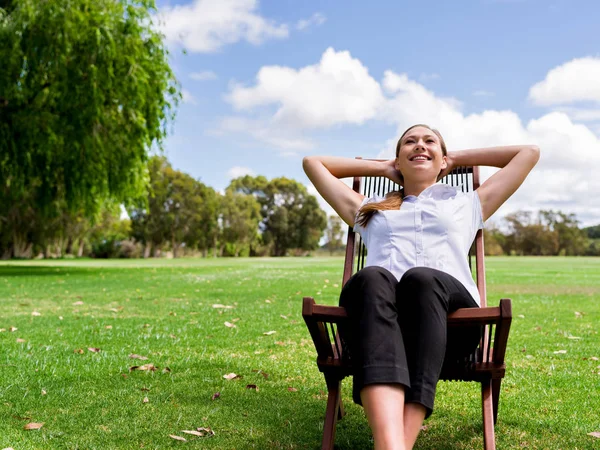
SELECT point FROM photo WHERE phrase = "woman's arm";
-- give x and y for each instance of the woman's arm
(515, 161)
(325, 171)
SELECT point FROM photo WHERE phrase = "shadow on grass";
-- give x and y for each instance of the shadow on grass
(47, 271)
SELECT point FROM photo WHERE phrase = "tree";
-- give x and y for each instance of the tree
(240, 217)
(334, 234)
(291, 217)
(85, 91)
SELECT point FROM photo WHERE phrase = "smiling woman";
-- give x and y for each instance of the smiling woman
(416, 271)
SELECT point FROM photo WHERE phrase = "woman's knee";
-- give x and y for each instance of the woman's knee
(420, 276)
(370, 285)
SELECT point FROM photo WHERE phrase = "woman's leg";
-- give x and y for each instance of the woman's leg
(425, 297)
(376, 345)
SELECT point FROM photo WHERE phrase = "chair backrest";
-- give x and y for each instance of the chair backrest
(467, 178)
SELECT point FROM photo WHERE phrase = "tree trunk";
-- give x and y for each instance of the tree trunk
(80, 249)
(147, 250)
(69, 249)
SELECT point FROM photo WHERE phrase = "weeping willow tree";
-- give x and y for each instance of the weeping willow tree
(86, 91)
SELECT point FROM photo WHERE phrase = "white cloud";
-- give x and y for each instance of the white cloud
(316, 19)
(187, 97)
(205, 26)
(266, 132)
(337, 90)
(238, 171)
(483, 93)
(581, 114)
(205, 75)
(574, 81)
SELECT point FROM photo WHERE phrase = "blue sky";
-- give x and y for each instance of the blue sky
(267, 82)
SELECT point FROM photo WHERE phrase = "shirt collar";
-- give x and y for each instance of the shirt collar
(438, 191)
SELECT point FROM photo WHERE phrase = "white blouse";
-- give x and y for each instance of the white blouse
(435, 229)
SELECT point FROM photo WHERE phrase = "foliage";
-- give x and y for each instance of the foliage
(291, 217)
(85, 91)
(334, 234)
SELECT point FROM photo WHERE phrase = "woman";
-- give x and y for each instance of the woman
(416, 271)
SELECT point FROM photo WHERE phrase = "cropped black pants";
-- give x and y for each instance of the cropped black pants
(397, 331)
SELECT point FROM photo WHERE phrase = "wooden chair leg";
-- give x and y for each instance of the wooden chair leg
(332, 413)
(496, 397)
(489, 440)
(341, 412)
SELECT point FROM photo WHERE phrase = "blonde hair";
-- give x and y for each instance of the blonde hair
(393, 199)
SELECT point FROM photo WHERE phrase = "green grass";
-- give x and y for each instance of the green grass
(163, 310)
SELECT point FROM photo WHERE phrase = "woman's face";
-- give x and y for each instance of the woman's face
(420, 155)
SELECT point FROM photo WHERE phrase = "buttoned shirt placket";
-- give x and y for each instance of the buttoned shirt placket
(420, 254)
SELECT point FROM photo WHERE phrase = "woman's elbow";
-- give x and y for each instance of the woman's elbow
(534, 152)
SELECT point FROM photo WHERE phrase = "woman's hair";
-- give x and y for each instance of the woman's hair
(393, 199)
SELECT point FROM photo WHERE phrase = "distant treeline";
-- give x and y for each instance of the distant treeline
(180, 216)
(253, 217)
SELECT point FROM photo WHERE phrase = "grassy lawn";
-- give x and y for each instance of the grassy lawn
(164, 310)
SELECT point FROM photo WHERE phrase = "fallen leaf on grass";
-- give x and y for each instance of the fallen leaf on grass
(35, 313)
(282, 316)
(219, 306)
(595, 434)
(149, 367)
(207, 432)
(252, 386)
(78, 303)
(231, 376)
(215, 396)
(78, 350)
(135, 356)
(8, 448)
(593, 358)
(108, 327)
(145, 400)
(44, 392)
(177, 438)
(166, 370)
(229, 325)
(144, 389)
(34, 426)
(269, 333)
(578, 315)
(21, 341)
(573, 337)
(12, 329)
(172, 336)
(264, 374)
(94, 349)
(292, 389)
(560, 352)
(193, 432)
(2, 330)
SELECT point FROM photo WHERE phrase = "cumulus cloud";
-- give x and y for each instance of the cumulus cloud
(574, 81)
(205, 75)
(238, 171)
(205, 26)
(315, 20)
(265, 131)
(337, 90)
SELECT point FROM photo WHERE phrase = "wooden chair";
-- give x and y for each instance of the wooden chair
(485, 365)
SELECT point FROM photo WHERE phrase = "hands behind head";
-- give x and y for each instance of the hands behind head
(392, 173)
(448, 169)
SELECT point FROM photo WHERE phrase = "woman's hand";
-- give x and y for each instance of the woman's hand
(392, 173)
(449, 166)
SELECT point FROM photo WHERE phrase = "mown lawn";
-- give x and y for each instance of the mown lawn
(165, 310)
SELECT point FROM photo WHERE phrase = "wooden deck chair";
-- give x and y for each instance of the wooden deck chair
(485, 365)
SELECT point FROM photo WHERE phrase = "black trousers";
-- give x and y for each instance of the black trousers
(397, 330)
